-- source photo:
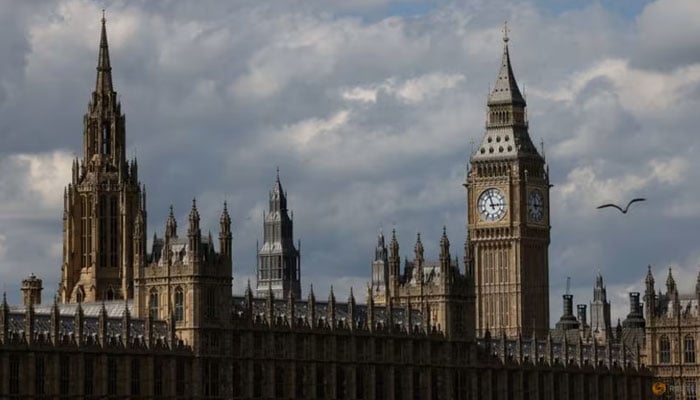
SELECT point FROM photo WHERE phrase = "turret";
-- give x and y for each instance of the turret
(352, 313)
(380, 267)
(270, 305)
(170, 226)
(79, 318)
(445, 267)
(291, 309)
(225, 235)
(394, 260)
(55, 322)
(331, 309)
(102, 326)
(126, 327)
(670, 284)
(248, 299)
(31, 290)
(29, 322)
(311, 301)
(194, 237)
(649, 297)
(418, 261)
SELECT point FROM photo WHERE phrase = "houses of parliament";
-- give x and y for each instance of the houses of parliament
(134, 322)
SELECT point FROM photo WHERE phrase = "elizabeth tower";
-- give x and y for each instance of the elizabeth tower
(508, 218)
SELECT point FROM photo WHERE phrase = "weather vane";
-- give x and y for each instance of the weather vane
(505, 31)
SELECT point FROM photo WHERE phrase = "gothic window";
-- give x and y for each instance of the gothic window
(434, 385)
(157, 377)
(64, 378)
(180, 377)
(690, 390)
(340, 383)
(136, 376)
(88, 376)
(114, 235)
(153, 304)
(279, 382)
(398, 385)
(39, 375)
(321, 383)
(664, 350)
(359, 383)
(106, 145)
(14, 374)
(212, 312)
(111, 376)
(236, 381)
(689, 349)
(110, 294)
(86, 228)
(102, 244)
(258, 380)
(378, 383)
(299, 385)
(179, 304)
(211, 378)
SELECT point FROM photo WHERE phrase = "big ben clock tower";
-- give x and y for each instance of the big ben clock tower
(508, 218)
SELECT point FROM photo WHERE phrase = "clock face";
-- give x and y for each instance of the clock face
(492, 205)
(535, 205)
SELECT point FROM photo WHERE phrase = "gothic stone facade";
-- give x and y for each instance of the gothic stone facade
(672, 335)
(189, 338)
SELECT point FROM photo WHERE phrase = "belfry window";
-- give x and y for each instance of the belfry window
(179, 304)
(153, 304)
(106, 145)
(689, 349)
(664, 350)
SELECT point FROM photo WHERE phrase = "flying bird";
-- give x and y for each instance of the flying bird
(618, 207)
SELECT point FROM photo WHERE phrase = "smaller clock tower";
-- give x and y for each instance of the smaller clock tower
(508, 217)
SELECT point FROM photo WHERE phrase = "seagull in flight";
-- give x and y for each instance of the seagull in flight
(618, 207)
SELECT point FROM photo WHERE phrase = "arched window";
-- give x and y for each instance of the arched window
(179, 304)
(664, 350)
(110, 294)
(153, 304)
(689, 349)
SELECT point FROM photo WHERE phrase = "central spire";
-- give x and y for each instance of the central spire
(103, 83)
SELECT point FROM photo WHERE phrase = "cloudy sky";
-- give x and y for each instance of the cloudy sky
(368, 108)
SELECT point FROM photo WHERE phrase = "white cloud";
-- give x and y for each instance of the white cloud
(409, 91)
(310, 130)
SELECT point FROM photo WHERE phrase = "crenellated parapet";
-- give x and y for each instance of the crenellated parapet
(311, 315)
(562, 353)
(105, 325)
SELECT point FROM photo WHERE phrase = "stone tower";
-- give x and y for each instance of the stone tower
(600, 311)
(380, 267)
(102, 201)
(278, 259)
(31, 290)
(508, 217)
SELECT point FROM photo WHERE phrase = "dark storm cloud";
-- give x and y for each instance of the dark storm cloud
(369, 119)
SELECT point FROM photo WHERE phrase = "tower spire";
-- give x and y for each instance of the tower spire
(104, 68)
(506, 90)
